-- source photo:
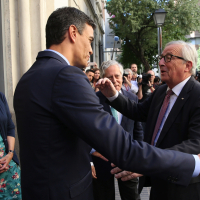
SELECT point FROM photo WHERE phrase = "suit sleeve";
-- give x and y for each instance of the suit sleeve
(131, 109)
(76, 105)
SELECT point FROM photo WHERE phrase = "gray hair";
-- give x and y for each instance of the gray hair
(189, 53)
(126, 71)
(109, 63)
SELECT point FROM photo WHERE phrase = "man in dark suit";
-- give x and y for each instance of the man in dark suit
(58, 114)
(103, 186)
(177, 126)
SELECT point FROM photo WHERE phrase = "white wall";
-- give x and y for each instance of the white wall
(60, 3)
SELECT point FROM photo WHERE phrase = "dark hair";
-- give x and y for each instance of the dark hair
(89, 70)
(59, 22)
(156, 79)
(94, 70)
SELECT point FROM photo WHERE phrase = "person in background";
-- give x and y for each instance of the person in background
(90, 74)
(134, 76)
(128, 85)
(134, 68)
(146, 89)
(103, 184)
(157, 81)
(10, 177)
(95, 79)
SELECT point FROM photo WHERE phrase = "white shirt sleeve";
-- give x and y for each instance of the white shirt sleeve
(113, 97)
(134, 87)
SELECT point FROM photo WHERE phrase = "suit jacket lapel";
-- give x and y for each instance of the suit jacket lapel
(181, 100)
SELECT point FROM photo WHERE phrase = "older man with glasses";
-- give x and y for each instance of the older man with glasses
(172, 115)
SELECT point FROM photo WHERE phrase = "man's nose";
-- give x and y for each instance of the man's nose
(161, 62)
(91, 51)
(113, 80)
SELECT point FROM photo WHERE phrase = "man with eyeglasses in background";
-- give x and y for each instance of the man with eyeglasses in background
(172, 115)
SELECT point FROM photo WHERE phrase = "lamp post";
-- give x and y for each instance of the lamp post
(159, 19)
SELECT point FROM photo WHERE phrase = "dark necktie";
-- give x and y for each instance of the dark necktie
(161, 114)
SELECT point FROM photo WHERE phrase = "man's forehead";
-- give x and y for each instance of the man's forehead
(89, 30)
(113, 69)
(174, 49)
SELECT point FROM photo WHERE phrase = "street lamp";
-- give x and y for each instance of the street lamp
(159, 19)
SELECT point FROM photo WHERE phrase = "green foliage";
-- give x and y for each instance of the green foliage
(198, 62)
(135, 25)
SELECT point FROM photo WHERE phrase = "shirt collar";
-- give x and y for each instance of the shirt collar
(59, 55)
(177, 89)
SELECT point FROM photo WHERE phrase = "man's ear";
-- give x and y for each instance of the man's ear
(73, 31)
(188, 67)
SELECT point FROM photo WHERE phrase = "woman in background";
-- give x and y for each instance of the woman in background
(95, 79)
(10, 184)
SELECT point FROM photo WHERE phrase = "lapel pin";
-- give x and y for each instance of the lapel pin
(182, 98)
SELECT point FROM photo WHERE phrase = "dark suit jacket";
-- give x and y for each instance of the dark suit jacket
(58, 114)
(133, 127)
(181, 131)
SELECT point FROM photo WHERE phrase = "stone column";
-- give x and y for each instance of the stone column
(24, 35)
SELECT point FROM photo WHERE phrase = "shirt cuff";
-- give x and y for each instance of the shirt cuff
(92, 151)
(113, 97)
(91, 163)
(197, 166)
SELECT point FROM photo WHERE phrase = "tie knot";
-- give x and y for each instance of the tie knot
(170, 92)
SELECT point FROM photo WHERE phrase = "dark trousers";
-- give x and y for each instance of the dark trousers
(105, 190)
(176, 192)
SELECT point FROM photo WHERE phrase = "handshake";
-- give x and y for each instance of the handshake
(124, 175)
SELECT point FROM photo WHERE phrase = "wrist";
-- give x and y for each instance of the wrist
(11, 151)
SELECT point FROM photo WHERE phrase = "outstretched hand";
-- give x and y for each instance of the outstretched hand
(106, 87)
(97, 154)
(124, 175)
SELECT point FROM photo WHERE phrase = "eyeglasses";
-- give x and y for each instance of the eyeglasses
(168, 57)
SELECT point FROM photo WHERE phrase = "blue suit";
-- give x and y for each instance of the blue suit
(58, 118)
(104, 184)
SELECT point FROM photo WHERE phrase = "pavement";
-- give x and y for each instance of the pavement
(144, 194)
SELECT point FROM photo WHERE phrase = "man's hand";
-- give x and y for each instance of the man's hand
(106, 87)
(125, 79)
(124, 175)
(97, 154)
(93, 172)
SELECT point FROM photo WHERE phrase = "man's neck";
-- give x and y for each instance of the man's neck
(60, 49)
